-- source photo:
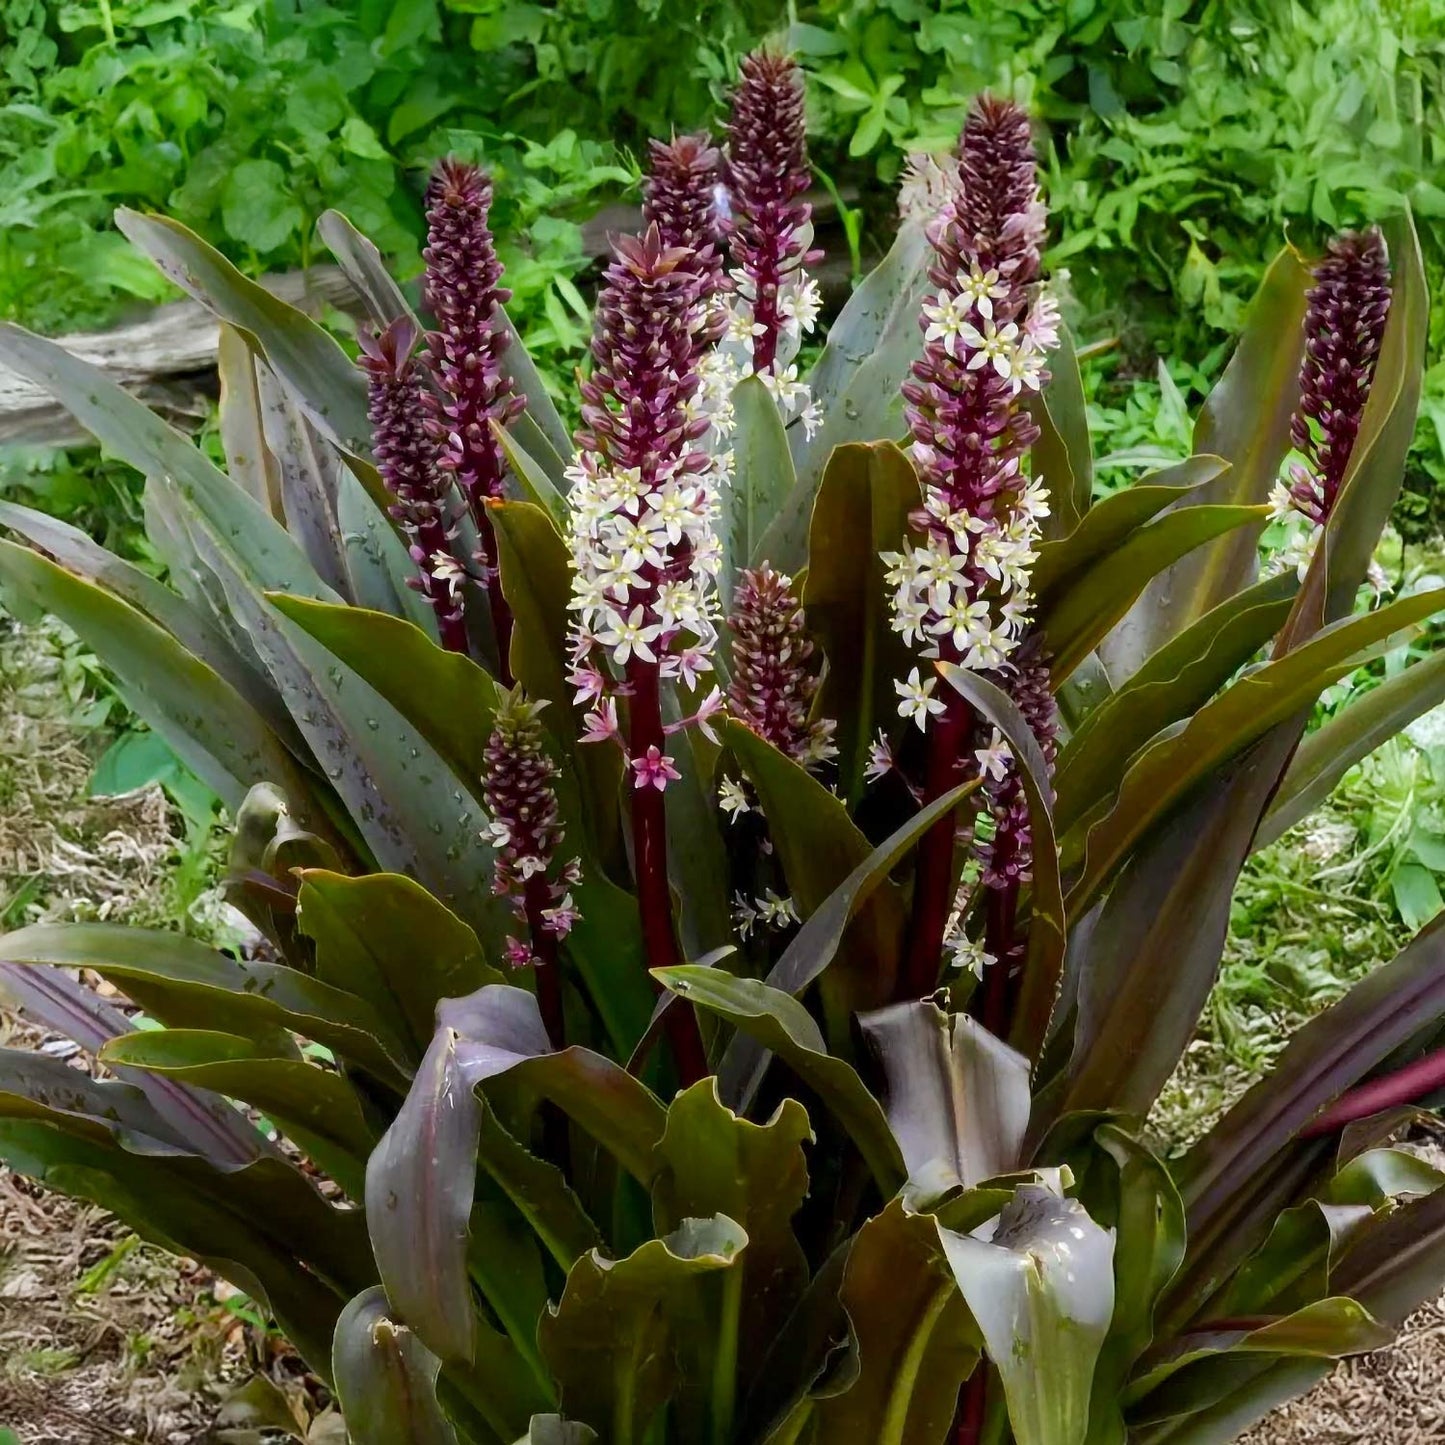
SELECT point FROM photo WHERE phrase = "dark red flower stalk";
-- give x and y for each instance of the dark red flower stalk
(406, 459)
(766, 172)
(1344, 326)
(519, 789)
(772, 684)
(465, 352)
(644, 549)
(962, 588)
(680, 197)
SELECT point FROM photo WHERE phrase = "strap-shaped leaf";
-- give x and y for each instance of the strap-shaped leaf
(761, 481)
(362, 264)
(1062, 457)
(862, 508)
(315, 1106)
(249, 1234)
(210, 726)
(1245, 420)
(957, 1098)
(249, 462)
(533, 477)
(1042, 1293)
(782, 1025)
(1084, 612)
(870, 348)
(1038, 992)
(819, 846)
(378, 565)
(816, 943)
(1112, 521)
(417, 814)
(627, 1335)
(208, 1124)
(1222, 729)
(187, 985)
(1328, 753)
(1171, 685)
(316, 371)
(127, 427)
(554, 1430)
(385, 1378)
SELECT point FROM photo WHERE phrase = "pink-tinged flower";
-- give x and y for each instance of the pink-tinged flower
(654, 769)
(406, 458)
(600, 725)
(519, 789)
(773, 684)
(680, 198)
(1344, 326)
(766, 171)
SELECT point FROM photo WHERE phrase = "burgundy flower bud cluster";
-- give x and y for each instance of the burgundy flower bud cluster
(1007, 858)
(465, 350)
(773, 684)
(406, 458)
(680, 198)
(1344, 326)
(519, 789)
(766, 170)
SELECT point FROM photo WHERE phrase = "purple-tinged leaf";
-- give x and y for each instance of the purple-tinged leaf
(957, 1098)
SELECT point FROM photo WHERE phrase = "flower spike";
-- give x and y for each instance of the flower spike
(463, 291)
(406, 458)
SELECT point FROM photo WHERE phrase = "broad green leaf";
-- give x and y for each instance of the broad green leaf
(761, 481)
(1164, 773)
(1396, 1264)
(816, 943)
(781, 1024)
(445, 695)
(627, 1335)
(1178, 679)
(127, 427)
(1042, 1293)
(316, 371)
(249, 462)
(386, 939)
(1112, 521)
(1377, 460)
(554, 1430)
(208, 1124)
(385, 1378)
(862, 508)
(957, 1099)
(186, 1209)
(1062, 457)
(1292, 1268)
(870, 348)
(187, 985)
(209, 725)
(1038, 991)
(912, 1341)
(315, 1106)
(710, 1161)
(1328, 753)
(1082, 615)
(418, 816)
(1245, 420)
(819, 846)
(363, 266)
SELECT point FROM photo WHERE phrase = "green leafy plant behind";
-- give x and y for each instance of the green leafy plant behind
(760, 1062)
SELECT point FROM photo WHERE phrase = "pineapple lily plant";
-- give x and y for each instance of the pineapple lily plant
(730, 881)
